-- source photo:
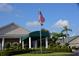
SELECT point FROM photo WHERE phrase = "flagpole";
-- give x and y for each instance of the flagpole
(41, 21)
(40, 39)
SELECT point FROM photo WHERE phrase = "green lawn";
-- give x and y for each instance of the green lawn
(48, 54)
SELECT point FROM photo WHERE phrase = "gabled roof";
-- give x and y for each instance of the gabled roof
(7, 28)
(12, 30)
(70, 39)
(75, 40)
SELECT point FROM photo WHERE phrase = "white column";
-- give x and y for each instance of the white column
(2, 43)
(46, 42)
(20, 40)
(29, 42)
(22, 44)
(35, 43)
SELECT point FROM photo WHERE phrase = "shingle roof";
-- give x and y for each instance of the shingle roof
(7, 28)
(72, 38)
(69, 39)
(12, 30)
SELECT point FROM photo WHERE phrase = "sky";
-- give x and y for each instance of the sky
(26, 15)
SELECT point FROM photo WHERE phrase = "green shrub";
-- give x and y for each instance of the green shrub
(14, 48)
(74, 47)
(20, 46)
(14, 45)
(37, 50)
(66, 44)
(59, 48)
(13, 52)
(7, 45)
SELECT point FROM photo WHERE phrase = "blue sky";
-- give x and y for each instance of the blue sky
(22, 14)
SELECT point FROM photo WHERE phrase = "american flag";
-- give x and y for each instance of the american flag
(41, 18)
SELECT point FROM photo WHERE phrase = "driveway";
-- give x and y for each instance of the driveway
(75, 53)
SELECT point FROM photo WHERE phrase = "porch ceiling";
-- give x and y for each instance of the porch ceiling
(12, 35)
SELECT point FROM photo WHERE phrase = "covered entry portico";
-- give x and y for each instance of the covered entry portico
(33, 39)
(35, 43)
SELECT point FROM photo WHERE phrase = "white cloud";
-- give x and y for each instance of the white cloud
(4, 7)
(73, 34)
(62, 23)
(32, 23)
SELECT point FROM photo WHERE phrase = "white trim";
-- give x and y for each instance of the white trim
(22, 44)
(29, 42)
(20, 40)
(46, 40)
(2, 43)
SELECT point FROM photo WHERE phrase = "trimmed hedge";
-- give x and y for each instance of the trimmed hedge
(16, 49)
(13, 52)
(37, 50)
(57, 48)
(54, 49)
(60, 49)
(9, 52)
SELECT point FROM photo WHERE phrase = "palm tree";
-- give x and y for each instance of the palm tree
(56, 36)
(66, 29)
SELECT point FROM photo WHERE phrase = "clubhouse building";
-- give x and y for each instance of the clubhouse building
(14, 33)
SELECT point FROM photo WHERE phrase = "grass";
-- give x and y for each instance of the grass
(48, 54)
